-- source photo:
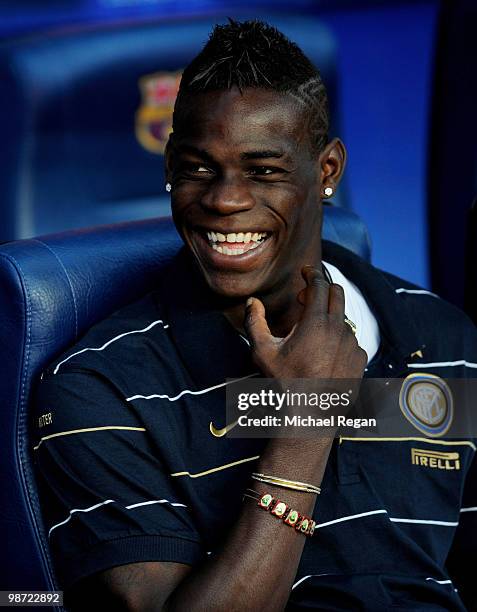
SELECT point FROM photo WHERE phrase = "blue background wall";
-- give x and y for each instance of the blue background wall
(386, 60)
(385, 54)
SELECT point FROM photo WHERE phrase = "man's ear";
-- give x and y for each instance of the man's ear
(168, 159)
(332, 163)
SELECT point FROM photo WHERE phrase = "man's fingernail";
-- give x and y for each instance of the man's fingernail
(249, 302)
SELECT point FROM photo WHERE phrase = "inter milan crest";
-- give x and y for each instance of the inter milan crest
(426, 402)
(154, 116)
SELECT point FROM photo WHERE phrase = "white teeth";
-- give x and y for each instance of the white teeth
(244, 237)
(225, 250)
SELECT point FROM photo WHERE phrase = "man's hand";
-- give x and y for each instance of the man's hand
(321, 345)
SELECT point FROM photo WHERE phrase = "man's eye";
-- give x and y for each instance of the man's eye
(196, 169)
(261, 171)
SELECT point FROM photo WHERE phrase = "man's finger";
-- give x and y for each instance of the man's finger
(255, 323)
(336, 301)
(316, 292)
(301, 296)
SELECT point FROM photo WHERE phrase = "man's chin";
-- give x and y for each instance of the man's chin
(235, 285)
(229, 287)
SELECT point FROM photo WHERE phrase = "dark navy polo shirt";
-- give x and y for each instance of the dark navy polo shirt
(130, 471)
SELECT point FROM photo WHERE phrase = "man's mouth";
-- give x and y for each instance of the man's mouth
(236, 243)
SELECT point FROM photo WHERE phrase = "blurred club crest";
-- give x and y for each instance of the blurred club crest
(426, 402)
(154, 116)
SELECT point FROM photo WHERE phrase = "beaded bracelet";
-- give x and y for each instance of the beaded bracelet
(303, 524)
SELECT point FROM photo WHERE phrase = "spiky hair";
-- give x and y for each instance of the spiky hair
(255, 54)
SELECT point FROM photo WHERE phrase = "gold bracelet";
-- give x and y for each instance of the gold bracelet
(289, 485)
(295, 485)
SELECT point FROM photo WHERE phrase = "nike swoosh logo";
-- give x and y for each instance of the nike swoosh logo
(218, 433)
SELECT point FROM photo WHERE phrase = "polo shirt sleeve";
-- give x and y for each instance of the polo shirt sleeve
(105, 492)
(462, 560)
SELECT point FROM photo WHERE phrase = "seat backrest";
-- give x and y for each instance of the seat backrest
(86, 113)
(52, 289)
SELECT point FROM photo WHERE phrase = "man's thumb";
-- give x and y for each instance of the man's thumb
(255, 323)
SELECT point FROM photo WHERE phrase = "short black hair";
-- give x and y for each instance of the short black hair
(255, 54)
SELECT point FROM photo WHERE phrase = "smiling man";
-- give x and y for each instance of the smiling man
(148, 505)
(250, 158)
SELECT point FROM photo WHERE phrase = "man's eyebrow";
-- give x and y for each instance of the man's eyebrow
(266, 154)
(205, 155)
(184, 148)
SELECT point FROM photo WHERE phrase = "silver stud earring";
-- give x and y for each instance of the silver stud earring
(328, 192)
(168, 187)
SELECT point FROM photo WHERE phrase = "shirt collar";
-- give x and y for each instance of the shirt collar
(399, 334)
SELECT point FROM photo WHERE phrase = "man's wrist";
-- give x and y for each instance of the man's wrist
(296, 459)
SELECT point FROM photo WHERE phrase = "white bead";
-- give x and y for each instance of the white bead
(168, 187)
(328, 191)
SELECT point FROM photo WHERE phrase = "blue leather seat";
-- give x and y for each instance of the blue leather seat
(52, 289)
(73, 118)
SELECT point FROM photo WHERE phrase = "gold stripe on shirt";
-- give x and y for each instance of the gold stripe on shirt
(216, 469)
(88, 429)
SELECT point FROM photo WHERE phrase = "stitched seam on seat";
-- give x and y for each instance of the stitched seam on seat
(67, 278)
(19, 447)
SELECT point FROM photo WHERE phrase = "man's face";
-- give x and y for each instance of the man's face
(246, 187)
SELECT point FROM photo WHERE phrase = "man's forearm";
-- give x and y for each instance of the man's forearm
(257, 565)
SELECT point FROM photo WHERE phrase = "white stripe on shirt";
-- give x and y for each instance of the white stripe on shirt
(416, 291)
(106, 344)
(320, 575)
(188, 391)
(393, 519)
(443, 364)
(440, 581)
(350, 518)
(156, 501)
(108, 501)
(306, 578)
(424, 522)
(113, 501)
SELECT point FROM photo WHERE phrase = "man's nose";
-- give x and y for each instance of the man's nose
(228, 195)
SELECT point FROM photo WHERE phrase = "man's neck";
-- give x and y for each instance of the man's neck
(282, 308)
